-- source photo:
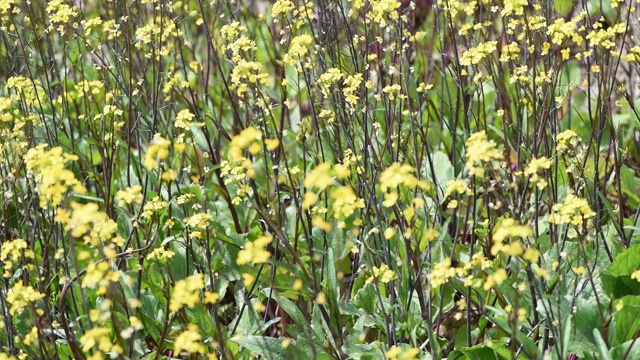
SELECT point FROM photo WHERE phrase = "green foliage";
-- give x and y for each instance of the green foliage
(297, 179)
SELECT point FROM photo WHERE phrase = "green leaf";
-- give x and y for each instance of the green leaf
(623, 351)
(629, 185)
(602, 346)
(627, 319)
(616, 281)
(365, 299)
(267, 347)
(443, 170)
(478, 352)
(587, 318)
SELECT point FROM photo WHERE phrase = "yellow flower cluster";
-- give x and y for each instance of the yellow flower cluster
(238, 168)
(26, 89)
(440, 273)
(481, 152)
(60, 13)
(509, 228)
(328, 79)
(183, 120)
(320, 177)
(99, 274)
(130, 195)
(394, 176)
(574, 211)
(298, 48)
(189, 341)
(345, 202)
(5, 6)
(497, 278)
(21, 296)
(152, 207)
(383, 274)
(514, 7)
(49, 168)
(567, 142)
(160, 254)
(383, 11)
(605, 37)
(12, 253)
(157, 32)
(247, 73)
(239, 48)
(474, 55)
(396, 353)
(87, 221)
(186, 292)
(255, 251)
(281, 7)
(200, 221)
(158, 149)
(457, 186)
(99, 336)
(457, 7)
(560, 30)
(351, 84)
(532, 169)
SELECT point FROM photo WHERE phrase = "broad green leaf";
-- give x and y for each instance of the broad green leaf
(587, 318)
(627, 319)
(478, 352)
(267, 347)
(616, 280)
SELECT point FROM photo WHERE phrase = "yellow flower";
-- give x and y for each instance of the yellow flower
(319, 177)
(537, 164)
(383, 274)
(441, 273)
(345, 202)
(183, 120)
(21, 296)
(255, 251)
(514, 7)
(479, 153)
(186, 292)
(50, 170)
(397, 175)
(130, 195)
(155, 205)
(396, 353)
(351, 84)
(297, 49)
(497, 278)
(272, 144)
(97, 336)
(247, 73)
(246, 137)
(382, 11)
(474, 55)
(328, 79)
(211, 297)
(567, 142)
(189, 341)
(281, 7)
(158, 149)
(200, 220)
(457, 186)
(161, 255)
(574, 211)
(308, 200)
